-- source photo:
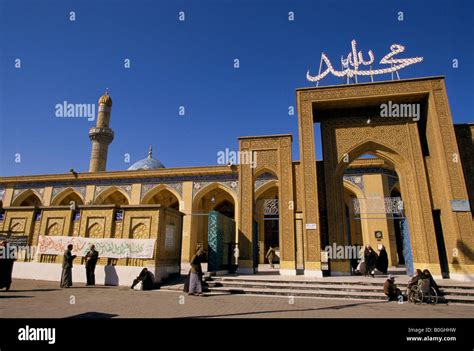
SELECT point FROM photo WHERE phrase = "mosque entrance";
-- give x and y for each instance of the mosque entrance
(375, 214)
(220, 242)
(267, 225)
(419, 150)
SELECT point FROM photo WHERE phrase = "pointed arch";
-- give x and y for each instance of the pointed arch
(263, 188)
(372, 147)
(28, 198)
(213, 186)
(353, 189)
(202, 204)
(264, 170)
(112, 195)
(395, 186)
(66, 196)
(156, 191)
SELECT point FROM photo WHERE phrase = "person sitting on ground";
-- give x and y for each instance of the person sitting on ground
(390, 289)
(370, 258)
(427, 275)
(414, 279)
(146, 278)
(361, 268)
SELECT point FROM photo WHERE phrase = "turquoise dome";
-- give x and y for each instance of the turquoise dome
(146, 163)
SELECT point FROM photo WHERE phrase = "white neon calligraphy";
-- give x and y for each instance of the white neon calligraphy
(355, 59)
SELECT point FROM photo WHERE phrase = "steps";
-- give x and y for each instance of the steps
(368, 289)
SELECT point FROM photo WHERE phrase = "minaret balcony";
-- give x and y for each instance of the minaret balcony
(105, 135)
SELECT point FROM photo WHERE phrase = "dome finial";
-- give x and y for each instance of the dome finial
(106, 99)
(150, 152)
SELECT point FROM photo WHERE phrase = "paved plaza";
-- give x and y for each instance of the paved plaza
(38, 299)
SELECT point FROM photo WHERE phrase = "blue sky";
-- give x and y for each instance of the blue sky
(190, 64)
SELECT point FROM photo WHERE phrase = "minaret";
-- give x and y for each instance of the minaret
(101, 135)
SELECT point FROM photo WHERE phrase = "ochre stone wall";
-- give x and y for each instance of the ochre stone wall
(98, 222)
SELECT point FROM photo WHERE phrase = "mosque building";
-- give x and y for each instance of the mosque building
(393, 182)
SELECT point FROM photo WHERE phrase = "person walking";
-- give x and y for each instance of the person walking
(92, 257)
(270, 256)
(66, 275)
(195, 284)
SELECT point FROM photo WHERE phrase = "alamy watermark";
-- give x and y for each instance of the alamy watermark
(66, 109)
(13, 252)
(344, 252)
(229, 158)
(37, 334)
(396, 110)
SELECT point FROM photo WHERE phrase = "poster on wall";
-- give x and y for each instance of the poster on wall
(112, 248)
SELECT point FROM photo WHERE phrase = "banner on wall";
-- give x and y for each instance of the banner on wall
(112, 248)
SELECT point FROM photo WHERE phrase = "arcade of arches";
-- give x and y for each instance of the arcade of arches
(394, 182)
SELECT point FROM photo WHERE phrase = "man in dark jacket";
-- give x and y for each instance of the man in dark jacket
(390, 289)
(91, 260)
(66, 275)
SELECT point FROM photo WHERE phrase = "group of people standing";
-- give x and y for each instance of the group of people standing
(371, 261)
(91, 258)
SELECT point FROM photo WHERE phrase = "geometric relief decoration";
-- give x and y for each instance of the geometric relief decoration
(75, 230)
(17, 225)
(221, 240)
(54, 226)
(140, 228)
(95, 227)
(379, 205)
(270, 207)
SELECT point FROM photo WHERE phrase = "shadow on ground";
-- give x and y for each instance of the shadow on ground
(337, 307)
(90, 315)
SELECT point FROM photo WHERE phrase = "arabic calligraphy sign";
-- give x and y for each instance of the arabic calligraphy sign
(113, 248)
(354, 60)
